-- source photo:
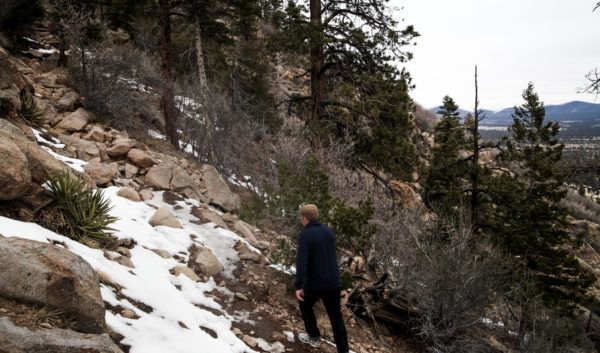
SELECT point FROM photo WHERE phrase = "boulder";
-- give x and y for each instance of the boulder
(146, 194)
(181, 179)
(162, 253)
(164, 217)
(130, 171)
(67, 102)
(14, 171)
(129, 194)
(159, 177)
(120, 147)
(86, 150)
(49, 275)
(42, 165)
(184, 270)
(207, 216)
(74, 121)
(203, 261)
(217, 190)
(14, 339)
(243, 229)
(96, 134)
(101, 173)
(140, 158)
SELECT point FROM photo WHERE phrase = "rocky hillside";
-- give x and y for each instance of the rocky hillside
(182, 271)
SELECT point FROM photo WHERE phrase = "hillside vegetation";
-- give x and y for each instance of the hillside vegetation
(162, 148)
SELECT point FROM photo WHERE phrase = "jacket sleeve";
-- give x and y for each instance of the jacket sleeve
(301, 262)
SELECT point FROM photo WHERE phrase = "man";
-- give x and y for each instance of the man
(318, 278)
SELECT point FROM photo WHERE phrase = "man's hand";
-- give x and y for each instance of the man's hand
(300, 294)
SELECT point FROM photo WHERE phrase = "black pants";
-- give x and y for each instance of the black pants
(331, 300)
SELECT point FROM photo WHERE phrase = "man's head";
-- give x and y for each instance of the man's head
(309, 213)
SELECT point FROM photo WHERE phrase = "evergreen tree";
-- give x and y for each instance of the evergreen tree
(357, 89)
(525, 217)
(448, 171)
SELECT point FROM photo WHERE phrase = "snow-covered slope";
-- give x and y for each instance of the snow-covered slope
(179, 316)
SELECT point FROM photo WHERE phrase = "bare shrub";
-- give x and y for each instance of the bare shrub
(117, 84)
(450, 275)
(581, 207)
(537, 328)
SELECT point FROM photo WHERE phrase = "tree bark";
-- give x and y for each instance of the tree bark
(200, 63)
(317, 84)
(168, 96)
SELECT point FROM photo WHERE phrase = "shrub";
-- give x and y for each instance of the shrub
(29, 110)
(86, 211)
(352, 225)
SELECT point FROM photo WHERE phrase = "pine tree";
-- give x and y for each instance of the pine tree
(525, 217)
(448, 171)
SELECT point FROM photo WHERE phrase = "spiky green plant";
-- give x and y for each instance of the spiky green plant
(86, 211)
(29, 110)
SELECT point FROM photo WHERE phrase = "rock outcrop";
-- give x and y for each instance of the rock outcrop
(14, 171)
(14, 339)
(48, 275)
(217, 191)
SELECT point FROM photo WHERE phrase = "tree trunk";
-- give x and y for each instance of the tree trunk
(317, 84)
(200, 63)
(168, 98)
(475, 162)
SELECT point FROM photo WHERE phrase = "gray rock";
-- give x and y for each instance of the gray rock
(146, 194)
(181, 179)
(67, 102)
(218, 191)
(205, 262)
(140, 158)
(120, 147)
(101, 173)
(164, 217)
(130, 170)
(49, 275)
(74, 121)
(159, 177)
(129, 194)
(14, 339)
(243, 229)
(96, 134)
(14, 171)
(42, 165)
(207, 216)
(162, 253)
(184, 270)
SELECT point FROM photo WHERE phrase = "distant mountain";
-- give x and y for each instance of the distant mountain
(572, 112)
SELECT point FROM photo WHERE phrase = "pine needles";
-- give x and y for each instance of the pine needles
(86, 211)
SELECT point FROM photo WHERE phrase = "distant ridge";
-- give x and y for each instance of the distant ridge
(575, 111)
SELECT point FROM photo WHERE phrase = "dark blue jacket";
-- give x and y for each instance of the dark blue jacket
(316, 264)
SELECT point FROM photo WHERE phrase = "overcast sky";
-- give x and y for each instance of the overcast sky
(552, 43)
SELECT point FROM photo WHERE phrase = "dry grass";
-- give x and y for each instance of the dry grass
(33, 316)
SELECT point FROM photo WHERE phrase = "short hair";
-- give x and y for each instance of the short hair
(310, 211)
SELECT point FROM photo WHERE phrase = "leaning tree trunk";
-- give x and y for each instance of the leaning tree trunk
(168, 96)
(317, 58)
(200, 63)
(207, 112)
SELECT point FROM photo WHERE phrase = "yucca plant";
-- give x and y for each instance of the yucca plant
(29, 110)
(86, 211)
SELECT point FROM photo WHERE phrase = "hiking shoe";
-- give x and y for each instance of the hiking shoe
(312, 341)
